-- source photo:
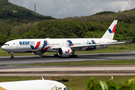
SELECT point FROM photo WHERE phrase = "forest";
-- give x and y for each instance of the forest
(14, 26)
(10, 11)
(63, 29)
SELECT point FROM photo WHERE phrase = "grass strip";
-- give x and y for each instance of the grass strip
(89, 63)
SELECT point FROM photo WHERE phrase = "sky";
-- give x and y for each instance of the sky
(74, 8)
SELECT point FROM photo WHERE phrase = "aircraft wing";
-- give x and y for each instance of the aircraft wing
(90, 45)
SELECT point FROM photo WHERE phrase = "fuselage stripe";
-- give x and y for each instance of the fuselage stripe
(38, 44)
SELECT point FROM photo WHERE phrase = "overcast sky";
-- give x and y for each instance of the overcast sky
(71, 8)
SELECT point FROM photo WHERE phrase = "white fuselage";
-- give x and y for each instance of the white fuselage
(25, 45)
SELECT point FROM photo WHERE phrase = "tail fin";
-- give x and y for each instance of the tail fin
(109, 34)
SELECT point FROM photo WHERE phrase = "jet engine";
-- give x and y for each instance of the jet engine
(38, 53)
(64, 51)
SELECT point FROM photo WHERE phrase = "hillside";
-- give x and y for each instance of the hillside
(10, 11)
(127, 16)
(75, 27)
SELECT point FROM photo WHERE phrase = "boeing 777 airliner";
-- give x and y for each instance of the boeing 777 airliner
(64, 47)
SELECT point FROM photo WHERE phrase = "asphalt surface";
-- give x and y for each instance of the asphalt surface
(51, 58)
(7, 68)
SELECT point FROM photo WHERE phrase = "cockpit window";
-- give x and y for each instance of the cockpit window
(6, 44)
(65, 88)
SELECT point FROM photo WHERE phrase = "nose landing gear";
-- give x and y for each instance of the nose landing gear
(12, 56)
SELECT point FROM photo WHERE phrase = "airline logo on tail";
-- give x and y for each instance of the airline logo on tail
(113, 30)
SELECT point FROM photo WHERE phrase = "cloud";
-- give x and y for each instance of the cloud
(71, 8)
(25, 3)
(62, 11)
(116, 5)
(18, 2)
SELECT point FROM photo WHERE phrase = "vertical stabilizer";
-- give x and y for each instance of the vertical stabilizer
(109, 34)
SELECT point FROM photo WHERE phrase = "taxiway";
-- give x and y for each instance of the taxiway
(52, 59)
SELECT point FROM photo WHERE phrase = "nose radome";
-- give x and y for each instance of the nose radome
(3, 47)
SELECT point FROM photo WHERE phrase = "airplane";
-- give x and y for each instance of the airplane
(64, 47)
(33, 85)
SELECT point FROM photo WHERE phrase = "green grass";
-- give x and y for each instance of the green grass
(75, 82)
(89, 63)
(111, 49)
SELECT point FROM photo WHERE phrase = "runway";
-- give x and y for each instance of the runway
(52, 59)
(68, 70)
(7, 67)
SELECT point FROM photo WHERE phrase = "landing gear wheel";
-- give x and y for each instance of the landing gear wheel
(56, 55)
(12, 57)
(76, 56)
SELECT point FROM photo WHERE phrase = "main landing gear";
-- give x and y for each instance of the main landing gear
(73, 55)
(12, 56)
(56, 55)
(70, 56)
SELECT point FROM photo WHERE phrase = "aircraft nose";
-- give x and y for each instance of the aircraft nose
(3, 47)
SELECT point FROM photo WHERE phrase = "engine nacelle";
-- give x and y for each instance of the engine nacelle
(64, 51)
(38, 53)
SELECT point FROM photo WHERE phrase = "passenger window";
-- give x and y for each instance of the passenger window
(65, 88)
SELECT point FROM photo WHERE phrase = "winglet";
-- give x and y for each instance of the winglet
(109, 34)
(43, 78)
